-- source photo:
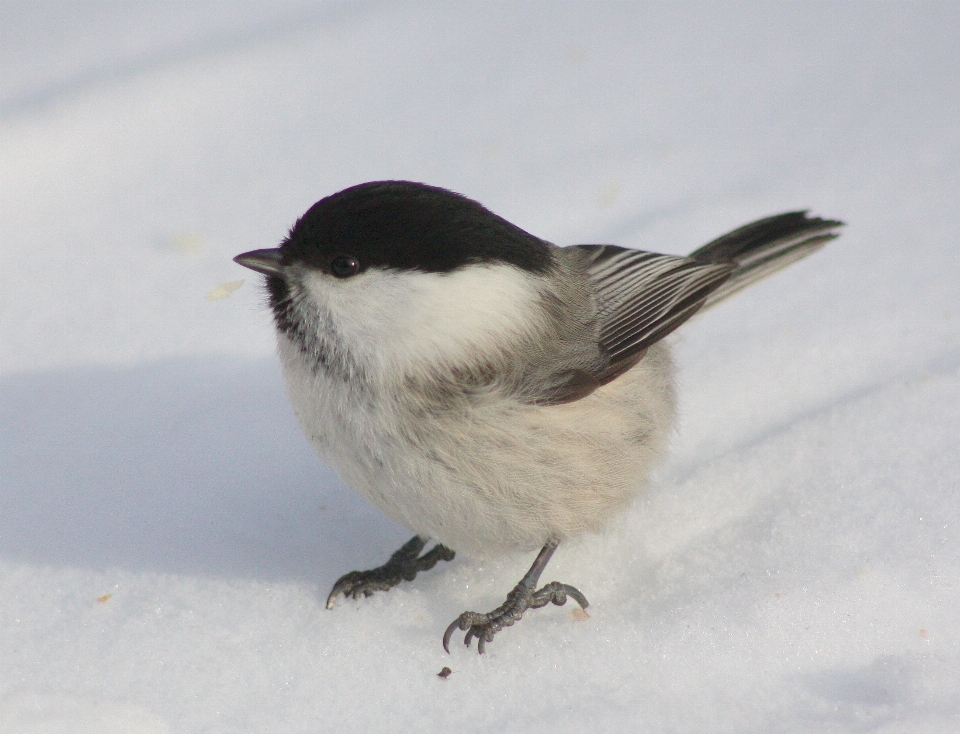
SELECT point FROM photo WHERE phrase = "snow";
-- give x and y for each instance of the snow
(167, 536)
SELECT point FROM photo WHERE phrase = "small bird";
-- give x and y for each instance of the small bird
(493, 392)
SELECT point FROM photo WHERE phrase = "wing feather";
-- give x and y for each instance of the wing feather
(643, 296)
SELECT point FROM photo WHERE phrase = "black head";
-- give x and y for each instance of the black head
(407, 226)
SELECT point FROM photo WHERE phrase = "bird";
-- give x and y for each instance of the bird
(493, 392)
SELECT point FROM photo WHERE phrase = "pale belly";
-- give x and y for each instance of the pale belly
(500, 477)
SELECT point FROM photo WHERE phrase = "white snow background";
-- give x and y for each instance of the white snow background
(167, 536)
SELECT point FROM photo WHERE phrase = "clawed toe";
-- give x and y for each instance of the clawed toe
(483, 627)
(454, 626)
(404, 565)
(359, 583)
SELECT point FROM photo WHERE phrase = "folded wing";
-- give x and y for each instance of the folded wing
(643, 296)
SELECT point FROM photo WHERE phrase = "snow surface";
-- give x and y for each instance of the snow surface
(167, 537)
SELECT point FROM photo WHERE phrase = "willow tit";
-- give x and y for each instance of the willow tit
(491, 391)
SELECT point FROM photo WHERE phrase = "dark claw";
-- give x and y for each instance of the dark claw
(577, 596)
(404, 565)
(483, 627)
(449, 633)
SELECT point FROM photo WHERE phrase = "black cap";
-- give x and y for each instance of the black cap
(409, 226)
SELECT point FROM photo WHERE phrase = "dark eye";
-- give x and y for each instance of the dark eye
(343, 266)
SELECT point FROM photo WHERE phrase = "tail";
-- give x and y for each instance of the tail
(764, 247)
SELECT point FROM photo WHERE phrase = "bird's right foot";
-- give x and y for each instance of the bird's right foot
(404, 565)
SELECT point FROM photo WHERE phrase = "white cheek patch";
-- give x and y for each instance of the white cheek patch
(400, 319)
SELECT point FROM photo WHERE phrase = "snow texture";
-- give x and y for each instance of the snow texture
(167, 536)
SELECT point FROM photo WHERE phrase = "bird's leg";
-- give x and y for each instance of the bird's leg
(523, 597)
(405, 564)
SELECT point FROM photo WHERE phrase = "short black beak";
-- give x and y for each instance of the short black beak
(263, 261)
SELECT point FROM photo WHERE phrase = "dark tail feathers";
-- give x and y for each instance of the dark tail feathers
(763, 247)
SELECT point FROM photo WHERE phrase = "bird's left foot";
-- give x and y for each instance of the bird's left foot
(522, 598)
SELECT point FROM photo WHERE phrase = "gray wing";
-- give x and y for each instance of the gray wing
(641, 297)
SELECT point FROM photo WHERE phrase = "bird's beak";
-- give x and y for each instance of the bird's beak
(263, 261)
